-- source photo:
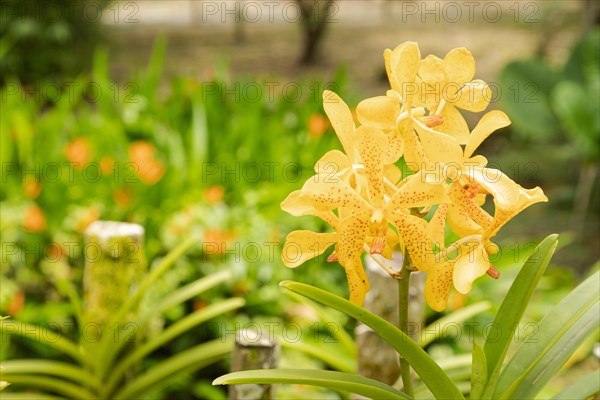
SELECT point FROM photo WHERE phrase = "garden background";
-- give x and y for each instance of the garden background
(199, 117)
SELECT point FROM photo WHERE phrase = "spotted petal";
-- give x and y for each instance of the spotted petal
(413, 236)
(416, 192)
(326, 192)
(438, 285)
(373, 144)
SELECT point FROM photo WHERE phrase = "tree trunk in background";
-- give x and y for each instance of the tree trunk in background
(314, 16)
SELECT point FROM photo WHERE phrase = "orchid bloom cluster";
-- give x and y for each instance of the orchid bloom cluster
(372, 206)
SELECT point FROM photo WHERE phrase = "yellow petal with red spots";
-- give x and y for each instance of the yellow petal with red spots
(415, 192)
(438, 285)
(373, 144)
(414, 238)
(325, 192)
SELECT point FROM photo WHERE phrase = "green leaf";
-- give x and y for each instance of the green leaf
(170, 333)
(186, 361)
(559, 334)
(187, 292)
(335, 359)
(59, 386)
(578, 116)
(525, 89)
(478, 372)
(334, 380)
(48, 367)
(108, 349)
(583, 388)
(27, 396)
(514, 305)
(430, 373)
(453, 318)
(41, 335)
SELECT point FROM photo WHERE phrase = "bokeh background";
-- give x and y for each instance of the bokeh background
(199, 117)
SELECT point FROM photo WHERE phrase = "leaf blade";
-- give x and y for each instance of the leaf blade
(429, 372)
(334, 380)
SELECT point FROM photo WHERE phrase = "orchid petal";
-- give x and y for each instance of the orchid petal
(469, 266)
(301, 246)
(438, 285)
(489, 123)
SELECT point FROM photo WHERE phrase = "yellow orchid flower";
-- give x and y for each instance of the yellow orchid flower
(472, 260)
(371, 207)
(366, 217)
(445, 85)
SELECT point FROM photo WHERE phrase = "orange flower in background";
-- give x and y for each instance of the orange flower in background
(107, 165)
(123, 197)
(317, 125)
(78, 152)
(148, 168)
(34, 219)
(32, 188)
(17, 302)
(214, 194)
(215, 241)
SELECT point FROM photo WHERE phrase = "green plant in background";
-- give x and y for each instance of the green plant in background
(111, 365)
(47, 40)
(548, 105)
(373, 206)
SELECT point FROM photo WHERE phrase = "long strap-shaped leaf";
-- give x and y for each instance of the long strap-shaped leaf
(559, 334)
(64, 370)
(334, 380)
(52, 384)
(430, 373)
(180, 327)
(186, 361)
(42, 335)
(583, 388)
(512, 309)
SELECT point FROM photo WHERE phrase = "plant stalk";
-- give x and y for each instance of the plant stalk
(403, 298)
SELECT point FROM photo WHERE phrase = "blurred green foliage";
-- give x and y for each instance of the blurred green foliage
(42, 39)
(198, 161)
(552, 105)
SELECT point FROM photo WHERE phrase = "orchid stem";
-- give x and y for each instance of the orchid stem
(403, 297)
